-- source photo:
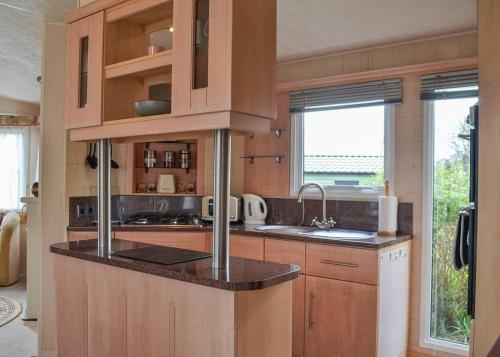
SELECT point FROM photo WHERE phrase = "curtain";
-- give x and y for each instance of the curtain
(14, 164)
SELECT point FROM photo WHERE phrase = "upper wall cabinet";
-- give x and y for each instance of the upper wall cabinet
(84, 71)
(206, 64)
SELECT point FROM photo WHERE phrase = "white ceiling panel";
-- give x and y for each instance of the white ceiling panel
(324, 26)
(21, 29)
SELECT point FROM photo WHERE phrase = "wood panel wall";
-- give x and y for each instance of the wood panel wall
(265, 176)
(487, 327)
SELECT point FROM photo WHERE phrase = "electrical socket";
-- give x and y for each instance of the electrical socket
(90, 211)
(81, 211)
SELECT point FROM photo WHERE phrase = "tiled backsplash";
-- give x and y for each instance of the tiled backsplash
(348, 214)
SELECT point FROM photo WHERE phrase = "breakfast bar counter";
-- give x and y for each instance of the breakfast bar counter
(116, 306)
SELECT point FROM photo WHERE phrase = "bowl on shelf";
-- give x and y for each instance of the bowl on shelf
(146, 108)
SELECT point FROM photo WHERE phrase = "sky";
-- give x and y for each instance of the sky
(358, 131)
(448, 116)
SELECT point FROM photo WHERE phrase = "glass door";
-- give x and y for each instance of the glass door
(448, 324)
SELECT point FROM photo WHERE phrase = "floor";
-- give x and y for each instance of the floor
(18, 338)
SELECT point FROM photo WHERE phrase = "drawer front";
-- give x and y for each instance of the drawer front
(74, 236)
(348, 264)
(246, 247)
(184, 240)
(286, 252)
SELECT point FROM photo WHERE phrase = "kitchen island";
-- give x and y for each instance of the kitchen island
(115, 306)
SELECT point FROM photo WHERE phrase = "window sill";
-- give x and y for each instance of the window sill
(445, 346)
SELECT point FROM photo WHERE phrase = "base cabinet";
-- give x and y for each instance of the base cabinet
(341, 318)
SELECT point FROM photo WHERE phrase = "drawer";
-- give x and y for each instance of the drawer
(184, 240)
(286, 252)
(342, 263)
(80, 235)
(246, 247)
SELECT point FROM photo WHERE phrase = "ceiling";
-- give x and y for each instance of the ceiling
(314, 27)
(21, 44)
(305, 28)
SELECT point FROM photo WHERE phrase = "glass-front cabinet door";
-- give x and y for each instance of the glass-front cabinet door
(84, 71)
(201, 48)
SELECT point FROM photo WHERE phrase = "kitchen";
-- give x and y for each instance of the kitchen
(252, 150)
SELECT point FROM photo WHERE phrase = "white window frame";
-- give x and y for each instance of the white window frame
(426, 341)
(340, 192)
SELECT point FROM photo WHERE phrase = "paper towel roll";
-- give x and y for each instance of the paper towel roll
(387, 215)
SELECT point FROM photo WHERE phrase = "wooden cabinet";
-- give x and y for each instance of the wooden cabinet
(216, 65)
(341, 318)
(288, 252)
(84, 68)
(108, 311)
(230, 65)
(185, 240)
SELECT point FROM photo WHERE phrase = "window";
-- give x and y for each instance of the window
(14, 166)
(445, 324)
(347, 150)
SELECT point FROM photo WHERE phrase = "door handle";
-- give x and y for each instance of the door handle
(311, 322)
(339, 263)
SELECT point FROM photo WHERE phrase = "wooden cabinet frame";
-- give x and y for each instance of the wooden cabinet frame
(91, 27)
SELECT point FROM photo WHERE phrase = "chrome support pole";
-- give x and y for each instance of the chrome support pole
(222, 182)
(104, 198)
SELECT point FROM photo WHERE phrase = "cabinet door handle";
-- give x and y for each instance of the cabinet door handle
(311, 322)
(336, 262)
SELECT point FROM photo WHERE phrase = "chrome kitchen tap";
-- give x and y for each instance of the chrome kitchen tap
(324, 223)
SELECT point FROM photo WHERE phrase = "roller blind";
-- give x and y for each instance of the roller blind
(449, 85)
(347, 96)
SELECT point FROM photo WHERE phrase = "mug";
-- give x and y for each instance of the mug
(155, 49)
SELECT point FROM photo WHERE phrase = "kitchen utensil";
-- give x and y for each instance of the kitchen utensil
(149, 158)
(169, 159)
(165, 184)
(89, 154)
(255, 209)
(141, 188)
(181, 187)
(145, 108)
(114, 165)
(191, 187)
(184, 159)
(93, 159)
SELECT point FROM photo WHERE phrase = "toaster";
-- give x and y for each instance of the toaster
(235, 209)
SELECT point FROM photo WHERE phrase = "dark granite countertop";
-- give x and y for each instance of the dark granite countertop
(377, 242)
(242, 275)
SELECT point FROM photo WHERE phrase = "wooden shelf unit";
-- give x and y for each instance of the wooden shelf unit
(137, 174)
(237, 93)
(130, 25)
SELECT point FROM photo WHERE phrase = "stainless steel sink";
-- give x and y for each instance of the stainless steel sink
(342, 234)
(315, 232)
(286, 229)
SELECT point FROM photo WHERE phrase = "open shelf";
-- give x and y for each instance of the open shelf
(145, 66)
(182, 176)
(138, 119)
